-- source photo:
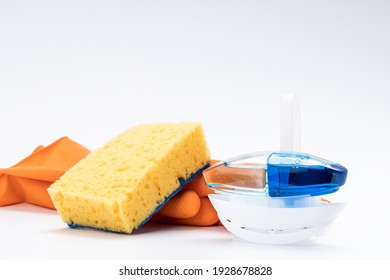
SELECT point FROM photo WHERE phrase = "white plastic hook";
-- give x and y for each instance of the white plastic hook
(290, 124)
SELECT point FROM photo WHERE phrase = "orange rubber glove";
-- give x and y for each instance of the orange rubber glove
(190, 206)
(28, 180)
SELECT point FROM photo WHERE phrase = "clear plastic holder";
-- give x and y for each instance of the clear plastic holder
(257, 202)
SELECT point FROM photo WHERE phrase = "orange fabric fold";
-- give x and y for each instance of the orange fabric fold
(28, 180)
(34, 172)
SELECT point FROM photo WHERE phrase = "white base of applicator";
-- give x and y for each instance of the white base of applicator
(273, 225)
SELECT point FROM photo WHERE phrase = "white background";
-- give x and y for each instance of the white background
(91, 69)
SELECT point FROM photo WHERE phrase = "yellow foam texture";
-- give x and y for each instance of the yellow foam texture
(118, 186)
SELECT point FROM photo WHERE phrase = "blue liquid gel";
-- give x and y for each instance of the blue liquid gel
(295, 180)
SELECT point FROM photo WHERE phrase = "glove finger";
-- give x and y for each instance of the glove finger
(185, 204)
(207, 216)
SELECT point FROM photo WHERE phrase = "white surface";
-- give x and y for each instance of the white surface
(32, 232)
(91, 69)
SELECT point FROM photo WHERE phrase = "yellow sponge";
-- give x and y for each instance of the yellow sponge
(119, 186)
